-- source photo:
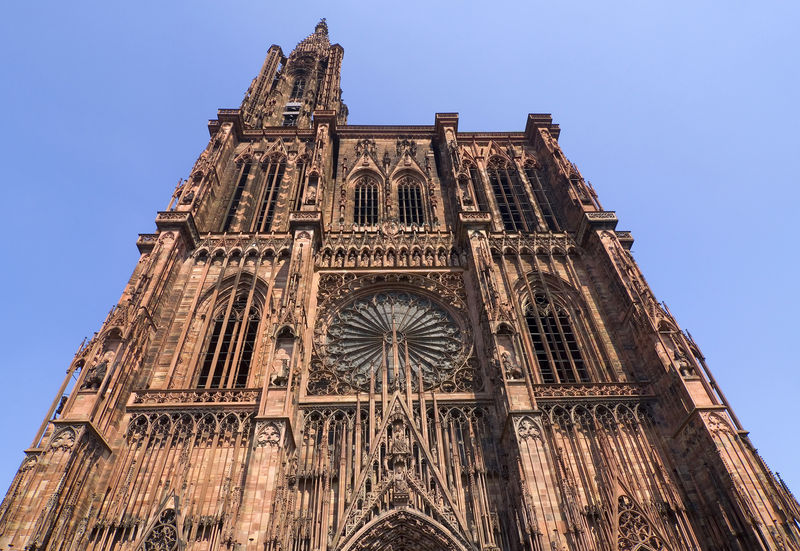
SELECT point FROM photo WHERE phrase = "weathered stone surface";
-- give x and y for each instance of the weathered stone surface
(385, 338)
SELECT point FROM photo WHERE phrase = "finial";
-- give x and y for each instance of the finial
(322, 27)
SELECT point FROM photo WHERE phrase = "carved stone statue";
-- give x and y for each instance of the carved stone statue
(96, 373)
(512, 370)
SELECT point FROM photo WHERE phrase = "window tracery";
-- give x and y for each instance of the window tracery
(298, 87)
(409, 202)
(274, 169)
(237, 196)
(300, 170)
(476, 185)
(536, 180)
(230, 346)
(515, 207)
(635, 532)
(555, 345)
(365, 211)
(164, 535)
(391, 339)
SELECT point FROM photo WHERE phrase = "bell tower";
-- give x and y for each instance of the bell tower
(380, 338)
(288, 90)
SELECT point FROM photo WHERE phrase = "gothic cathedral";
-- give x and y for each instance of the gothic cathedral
(388, 338)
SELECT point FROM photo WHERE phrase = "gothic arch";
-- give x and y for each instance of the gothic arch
(635, 532)
(403, 529)
(367, 196)
(227, 287)
(409, 189)
(557, 334)
(561, 290)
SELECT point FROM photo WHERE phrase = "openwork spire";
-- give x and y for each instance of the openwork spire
(318, 40)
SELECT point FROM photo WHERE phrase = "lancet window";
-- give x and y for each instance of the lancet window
(230, 344)
(366, 202)
(477, 188)
(274, 169)
(410, 203)
(535, 178)
(298, 87)
(515, 207)
(556, 349)
(237, 196)
(300, 170)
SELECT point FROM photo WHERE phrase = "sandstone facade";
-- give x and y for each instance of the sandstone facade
(383, 338)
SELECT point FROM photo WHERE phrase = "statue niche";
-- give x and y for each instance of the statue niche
(282, 359)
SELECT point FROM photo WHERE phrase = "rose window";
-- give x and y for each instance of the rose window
(391, 338)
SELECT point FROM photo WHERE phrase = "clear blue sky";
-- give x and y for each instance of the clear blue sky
(683, 115)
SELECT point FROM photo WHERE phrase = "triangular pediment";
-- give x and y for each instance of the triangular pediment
(407, 164)
(366, 162)
(165, 527)
(276, 147)
(400, 486)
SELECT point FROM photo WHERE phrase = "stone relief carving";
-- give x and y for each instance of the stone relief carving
(64, 439)
(268, 433)
(635, 531)
(164, 535)
(210, 396)
(528, 428)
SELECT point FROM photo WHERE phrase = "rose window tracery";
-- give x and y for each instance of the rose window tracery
(635, 533)
(391, 338)
(164, 535)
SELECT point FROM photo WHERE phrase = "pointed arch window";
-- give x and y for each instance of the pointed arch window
(297, 200)
(477, 188)
(515, 207)
(274, 169)
(237, 196)
(366, 202)
(536, 180)
(409, 202)
(230, 346)
(555, 346)
(298, 87)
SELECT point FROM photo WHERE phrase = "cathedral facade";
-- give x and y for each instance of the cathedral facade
(388, 338)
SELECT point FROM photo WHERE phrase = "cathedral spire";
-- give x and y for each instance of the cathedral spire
(289, 89)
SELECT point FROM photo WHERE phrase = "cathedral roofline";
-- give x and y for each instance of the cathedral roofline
(535, 120)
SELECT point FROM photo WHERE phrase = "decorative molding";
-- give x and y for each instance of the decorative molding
(214, 244)
(625, 239)
(146, 242)
(528, 428)
(182, 222)
(65, 438)
(589, 391)
(596, 221)
(534, 243)
(389, 247)
(171, 398)
(153, 426)
(268, 433)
